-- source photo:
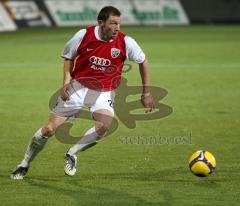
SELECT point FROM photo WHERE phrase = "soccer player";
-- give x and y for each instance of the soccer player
(93, 61)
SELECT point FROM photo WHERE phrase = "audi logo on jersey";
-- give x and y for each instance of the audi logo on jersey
(100, 61)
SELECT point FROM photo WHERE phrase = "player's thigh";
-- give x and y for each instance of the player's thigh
(103, 119)
(56, 120)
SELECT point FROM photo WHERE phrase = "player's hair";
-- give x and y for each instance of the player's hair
(108, 11)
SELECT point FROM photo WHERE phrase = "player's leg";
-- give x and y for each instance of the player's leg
(62, 111)
(41, 136)
(37, 143)
(103, 119)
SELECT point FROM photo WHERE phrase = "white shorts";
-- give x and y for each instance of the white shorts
(83, 97)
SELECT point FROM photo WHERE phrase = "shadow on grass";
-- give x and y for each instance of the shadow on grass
(89, 189)
(109, 188)
(168, 175)
(93, 194)
(177, 175)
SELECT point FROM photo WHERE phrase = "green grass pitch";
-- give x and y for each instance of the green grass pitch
(199, 66)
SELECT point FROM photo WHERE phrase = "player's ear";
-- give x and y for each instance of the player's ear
(100, 22)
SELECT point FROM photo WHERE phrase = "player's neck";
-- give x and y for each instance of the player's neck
(103, 36)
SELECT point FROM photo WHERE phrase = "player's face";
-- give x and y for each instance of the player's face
(110, 28)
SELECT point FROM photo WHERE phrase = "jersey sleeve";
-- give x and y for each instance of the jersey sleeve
(70, 48)
(133, 50)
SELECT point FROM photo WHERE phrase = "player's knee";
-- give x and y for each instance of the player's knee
(48, 131)
(102, 128)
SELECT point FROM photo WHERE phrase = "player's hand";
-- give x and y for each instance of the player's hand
(65, 92)
(147, 102)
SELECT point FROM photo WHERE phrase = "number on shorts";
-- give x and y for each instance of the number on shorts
(110, 103)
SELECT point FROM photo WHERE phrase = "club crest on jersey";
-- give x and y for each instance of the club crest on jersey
(115, 52)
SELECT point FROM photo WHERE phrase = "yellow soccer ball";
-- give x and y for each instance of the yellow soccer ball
(202, 163)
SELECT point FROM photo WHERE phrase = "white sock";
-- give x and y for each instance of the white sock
(35, 146)
(89, 139)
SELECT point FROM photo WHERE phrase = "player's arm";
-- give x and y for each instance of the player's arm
(69, 53)
(67, 68)
(135, 53)
(146, 97)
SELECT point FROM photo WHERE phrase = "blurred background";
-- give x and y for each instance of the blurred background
(15, 14)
